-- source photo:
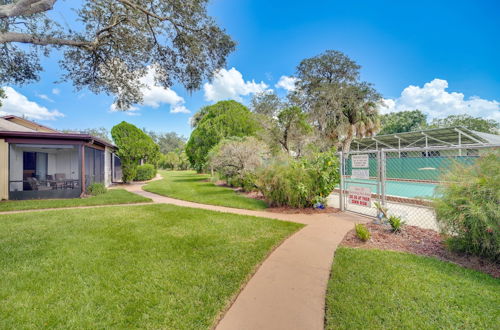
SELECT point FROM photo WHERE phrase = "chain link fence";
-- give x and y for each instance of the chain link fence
(403, 180)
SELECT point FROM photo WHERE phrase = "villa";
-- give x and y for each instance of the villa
(38, 162)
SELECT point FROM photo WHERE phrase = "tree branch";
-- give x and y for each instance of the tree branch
(25, 8)
(115, 23)
(44, 41)
(148, 13)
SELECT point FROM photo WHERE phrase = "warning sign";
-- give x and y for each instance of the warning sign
(360, 161)
(360, 196)
(360, 174)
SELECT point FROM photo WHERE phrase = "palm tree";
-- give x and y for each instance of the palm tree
(354, 113)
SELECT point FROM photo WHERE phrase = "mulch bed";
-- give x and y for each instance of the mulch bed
(419, 241)
(309, 210)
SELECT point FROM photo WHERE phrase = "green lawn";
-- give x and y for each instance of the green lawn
(190, 186)
(384, 289)
(113, 196)
(149, 266)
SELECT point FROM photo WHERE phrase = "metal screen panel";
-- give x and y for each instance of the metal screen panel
(405, 181)
(360, 182)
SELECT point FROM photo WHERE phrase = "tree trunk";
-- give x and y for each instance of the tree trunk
(346, 145)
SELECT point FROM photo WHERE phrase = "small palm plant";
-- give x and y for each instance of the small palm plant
(395, 222)
(362, 232)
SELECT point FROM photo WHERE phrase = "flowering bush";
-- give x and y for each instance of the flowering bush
(236, 159)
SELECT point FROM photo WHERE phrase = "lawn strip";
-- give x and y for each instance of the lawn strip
(112, 197)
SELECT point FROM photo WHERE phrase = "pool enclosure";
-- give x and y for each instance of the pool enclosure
(405, 171)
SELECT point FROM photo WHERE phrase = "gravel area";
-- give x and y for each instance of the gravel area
(420, 241)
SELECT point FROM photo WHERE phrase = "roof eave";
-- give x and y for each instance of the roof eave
(57, 136)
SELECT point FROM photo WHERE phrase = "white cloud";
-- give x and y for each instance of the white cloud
(133, 111)
(56, 91)
(19, 105)
(229, 84)
(287, 83)
(436, 102)
(44, 97)
(179, 109)
(154, 96)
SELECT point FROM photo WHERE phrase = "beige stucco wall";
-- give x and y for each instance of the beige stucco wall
(4, 169)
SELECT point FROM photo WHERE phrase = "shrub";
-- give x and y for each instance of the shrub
(246, 181)
(236, 159)
(298, 183)
(145, 172)
(96, 189)
(133, 146)
(468, 206)
(362, 232)
(396, 223)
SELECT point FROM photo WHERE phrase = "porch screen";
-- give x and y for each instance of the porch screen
(39, 171)
(94, 166)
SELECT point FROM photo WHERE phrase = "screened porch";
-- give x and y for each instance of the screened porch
(38, 171)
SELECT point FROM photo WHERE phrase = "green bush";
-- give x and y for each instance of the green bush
(468, 207)
(133, 146)
(145, 172)
(96, 189)
(298, 183)
(246, 181)
(362, 232)
(396, 223)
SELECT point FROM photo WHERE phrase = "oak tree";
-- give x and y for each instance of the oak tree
(113, 43)
(474, 123)
(403, 121)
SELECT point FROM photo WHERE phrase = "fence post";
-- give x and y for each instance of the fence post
(382, 175)
(341, 195)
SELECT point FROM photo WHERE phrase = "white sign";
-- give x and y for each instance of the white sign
(360, 174)
(360, 161)
(360, 196)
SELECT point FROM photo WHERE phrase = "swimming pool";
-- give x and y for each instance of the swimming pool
(406, 189)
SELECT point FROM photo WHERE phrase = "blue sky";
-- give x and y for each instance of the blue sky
(439, 56)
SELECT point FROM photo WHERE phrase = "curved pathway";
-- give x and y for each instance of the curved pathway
(288, 289)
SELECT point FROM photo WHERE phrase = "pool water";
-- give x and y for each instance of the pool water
(398, 188)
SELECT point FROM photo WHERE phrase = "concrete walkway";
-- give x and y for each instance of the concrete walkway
(288, 290)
